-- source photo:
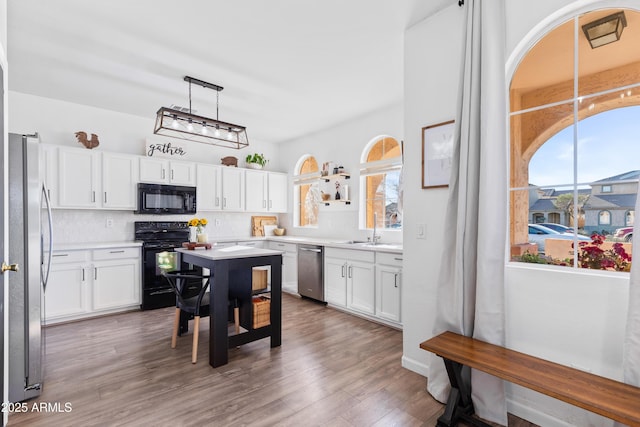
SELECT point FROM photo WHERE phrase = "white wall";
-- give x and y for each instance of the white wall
(574, 319)
(57, 122)
(343, 145)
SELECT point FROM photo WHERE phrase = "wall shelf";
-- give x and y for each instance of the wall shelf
(328, 202)
(328, 178)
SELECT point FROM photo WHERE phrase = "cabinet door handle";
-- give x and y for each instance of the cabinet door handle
(398, 259)
(93, 197)
(49, 193)
(217, 201)
(57, 255)
(95, 273)
(350, 271)
(224, 202)
(83, 274)
(343, 270)
(171, 174)
(162, 173)
(105, 197)
(395, 280)
(117, 252)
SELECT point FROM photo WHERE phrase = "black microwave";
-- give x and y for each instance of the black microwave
(166, 199)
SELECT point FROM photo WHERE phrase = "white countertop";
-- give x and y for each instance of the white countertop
(93, 245)
(230, 252)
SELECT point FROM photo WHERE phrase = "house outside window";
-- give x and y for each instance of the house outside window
(381, 179)
(571, 145)
(628, 218)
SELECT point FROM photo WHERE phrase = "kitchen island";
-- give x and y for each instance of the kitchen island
(231, 270)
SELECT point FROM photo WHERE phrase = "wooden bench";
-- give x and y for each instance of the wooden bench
(604, 396)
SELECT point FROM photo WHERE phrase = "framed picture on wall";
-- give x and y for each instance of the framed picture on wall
(437, 153)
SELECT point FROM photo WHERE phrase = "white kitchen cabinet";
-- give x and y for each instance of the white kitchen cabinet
(277, 184)
(388, 286)
(67, 295)
(233, 189)
(208, 187)
(119, 181)
(335, 283)
(85, 283)
(116, 278)
(78, 178)
(289, 265)
(164, 171)
(356, 277)
(265, 191)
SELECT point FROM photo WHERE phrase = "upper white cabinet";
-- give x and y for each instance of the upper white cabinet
(232, 189)
(163, 171)
(119, 179)
(208, 187)
(78, 178)
(266, 191)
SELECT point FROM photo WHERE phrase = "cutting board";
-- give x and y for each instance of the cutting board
(258, 223)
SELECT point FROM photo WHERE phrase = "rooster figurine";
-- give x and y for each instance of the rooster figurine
(89, 143)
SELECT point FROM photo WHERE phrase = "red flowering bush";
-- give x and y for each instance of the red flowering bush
(591, 255)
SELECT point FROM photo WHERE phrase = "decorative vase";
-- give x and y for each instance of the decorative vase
(193, 233)
(254, 165)
(202, 237)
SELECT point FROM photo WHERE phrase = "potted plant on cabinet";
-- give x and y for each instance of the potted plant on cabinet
(256, 161)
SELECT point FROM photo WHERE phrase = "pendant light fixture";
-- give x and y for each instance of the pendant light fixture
(186, 125)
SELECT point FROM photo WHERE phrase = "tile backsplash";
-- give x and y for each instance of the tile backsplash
(90, 226)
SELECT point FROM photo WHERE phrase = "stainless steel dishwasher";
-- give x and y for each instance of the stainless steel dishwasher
(310, 271)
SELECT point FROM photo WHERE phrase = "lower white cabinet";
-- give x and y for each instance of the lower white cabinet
(89, 282)
(366, 283)
(289, 265)
(388, 286)
(350, 279)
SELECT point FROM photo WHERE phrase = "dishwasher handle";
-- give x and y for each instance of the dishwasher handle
(311, 250)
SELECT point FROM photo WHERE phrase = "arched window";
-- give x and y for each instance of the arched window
(381, 179)
(628, 218)
(306, 193)
(573, 117)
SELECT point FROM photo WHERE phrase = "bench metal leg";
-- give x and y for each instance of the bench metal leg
(459, 405)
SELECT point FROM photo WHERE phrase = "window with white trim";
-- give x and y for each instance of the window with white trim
(573, 120)
(381, 184)
(306, 193)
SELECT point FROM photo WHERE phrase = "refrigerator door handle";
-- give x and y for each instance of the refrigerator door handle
(45, 277)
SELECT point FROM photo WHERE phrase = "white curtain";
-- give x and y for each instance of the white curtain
(470, 297)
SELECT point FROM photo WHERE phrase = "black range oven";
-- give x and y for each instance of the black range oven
(159, 237)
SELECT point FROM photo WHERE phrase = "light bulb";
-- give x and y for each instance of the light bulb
(174, 123)
(217, 133)
(230, 135)
(190, 126)
(204, 128)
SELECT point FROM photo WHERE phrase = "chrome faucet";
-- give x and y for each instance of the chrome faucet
(375, 237)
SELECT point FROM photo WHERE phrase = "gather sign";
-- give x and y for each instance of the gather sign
(164, 149)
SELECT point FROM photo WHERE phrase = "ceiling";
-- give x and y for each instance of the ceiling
(289, 67)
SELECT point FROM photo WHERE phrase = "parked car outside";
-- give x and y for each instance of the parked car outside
(624, 233)
(539, 234)
(557, 227)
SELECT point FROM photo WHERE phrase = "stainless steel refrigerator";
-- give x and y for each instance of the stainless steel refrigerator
(29, 233)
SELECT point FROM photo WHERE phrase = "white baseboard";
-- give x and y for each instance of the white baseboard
(417, 367)
(533, 415)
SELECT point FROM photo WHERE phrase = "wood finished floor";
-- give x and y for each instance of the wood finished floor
(333, 369)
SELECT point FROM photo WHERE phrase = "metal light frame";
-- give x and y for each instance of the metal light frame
(204, 130)
(605, 30)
